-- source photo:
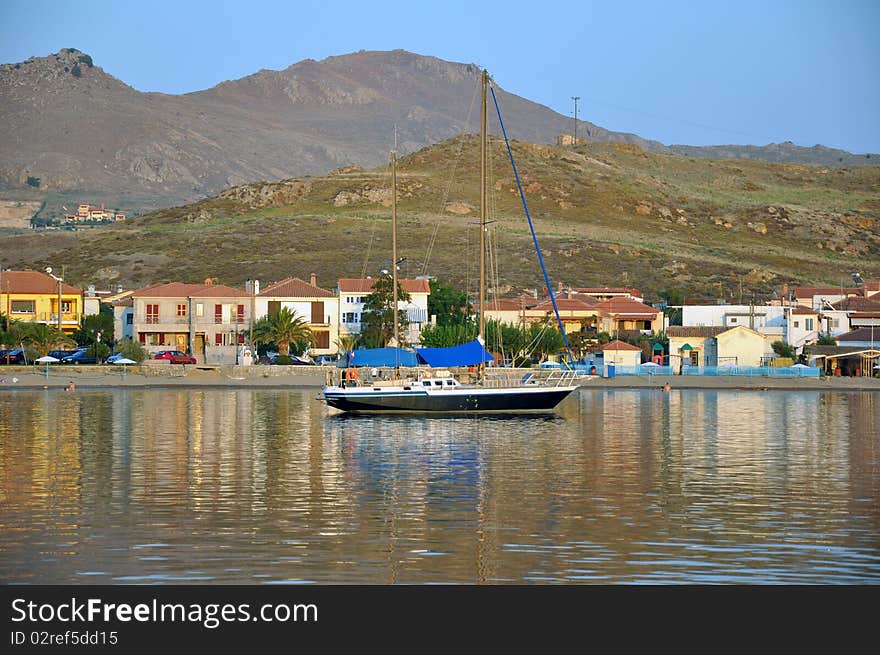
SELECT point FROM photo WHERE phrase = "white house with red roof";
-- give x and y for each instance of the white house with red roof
(319, 307)
(621, 354)
(353, 294)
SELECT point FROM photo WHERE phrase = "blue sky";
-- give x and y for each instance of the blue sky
(697, 73)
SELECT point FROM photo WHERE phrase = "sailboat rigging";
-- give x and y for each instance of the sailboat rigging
(439, 390)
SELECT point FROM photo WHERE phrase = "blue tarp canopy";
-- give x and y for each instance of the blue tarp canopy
(380, 357)
(467, 354)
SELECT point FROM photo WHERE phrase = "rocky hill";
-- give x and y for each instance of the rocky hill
(81, 134)
(607, 214)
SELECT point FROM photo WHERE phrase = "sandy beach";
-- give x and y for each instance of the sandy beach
(163, 376)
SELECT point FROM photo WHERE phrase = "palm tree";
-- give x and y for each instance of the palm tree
(283, 328)
(43, 338)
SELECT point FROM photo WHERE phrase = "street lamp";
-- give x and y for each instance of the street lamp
(60, 280)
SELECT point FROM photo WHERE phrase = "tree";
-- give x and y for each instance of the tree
(378, 318)
(283, 328)
(444, 336)
(826, 340)
(783, 349)
(41, 338)
(100, 323)
(450, 305)
(132, 350)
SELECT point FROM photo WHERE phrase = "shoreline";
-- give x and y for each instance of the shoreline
(281, 377)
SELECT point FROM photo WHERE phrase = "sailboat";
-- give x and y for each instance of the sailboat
(437, 390)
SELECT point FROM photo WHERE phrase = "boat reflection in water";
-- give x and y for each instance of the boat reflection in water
(251, 486)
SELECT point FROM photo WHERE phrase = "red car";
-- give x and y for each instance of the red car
(175, 357)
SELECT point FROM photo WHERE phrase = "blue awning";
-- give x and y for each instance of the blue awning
(380, 357)
(467, 354)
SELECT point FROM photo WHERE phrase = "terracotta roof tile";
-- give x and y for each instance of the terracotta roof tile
(565, 304)
(855, 304)
(625, 306)
(809, 292)
(504, 305)
(294, 287)
(184, 290)
(861, 334)
(359, 285)
(619, 345)
(696, 330)
(33, 282)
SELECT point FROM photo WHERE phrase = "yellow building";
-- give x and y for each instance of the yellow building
(34, 297)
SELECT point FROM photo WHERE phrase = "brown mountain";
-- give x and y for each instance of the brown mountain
(86, 135)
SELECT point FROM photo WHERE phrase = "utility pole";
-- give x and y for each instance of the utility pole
(575, 98)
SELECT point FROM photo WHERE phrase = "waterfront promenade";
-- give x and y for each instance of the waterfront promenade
(163, 376)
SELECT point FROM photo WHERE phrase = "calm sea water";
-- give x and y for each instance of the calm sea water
(266, 486)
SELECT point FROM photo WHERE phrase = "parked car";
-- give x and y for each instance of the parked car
(16, 356)
(79, 357)
(175, 357)
(325, 360)
(61, 354)
(295, 360)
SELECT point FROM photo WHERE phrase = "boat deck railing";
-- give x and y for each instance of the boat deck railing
(492, 377)
(498, 377)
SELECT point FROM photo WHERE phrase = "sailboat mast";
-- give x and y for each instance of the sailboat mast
(483, 205)
(394, 241)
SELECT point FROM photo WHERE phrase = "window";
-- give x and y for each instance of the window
(218, 313)
(218, 338)
(796, 323)
(66, 306)
(200, 309)
(322, 339)
(181, 309)
(129, 319)
(733, 320)
(239, 314)
(317, 312)
(426, 383)
(350, 317)
(808, 323)
(152, 314)
(23, 306)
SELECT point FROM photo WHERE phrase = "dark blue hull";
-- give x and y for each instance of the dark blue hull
(543, 400)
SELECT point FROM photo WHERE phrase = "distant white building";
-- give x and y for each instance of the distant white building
(353, 294)
(796, 325)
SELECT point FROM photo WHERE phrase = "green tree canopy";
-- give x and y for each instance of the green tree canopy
(377, 321)
(91, 325)
(451, 306)
(132, 350)
(39, 338)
